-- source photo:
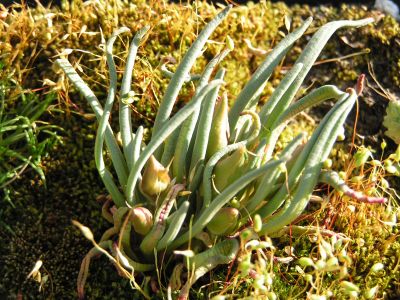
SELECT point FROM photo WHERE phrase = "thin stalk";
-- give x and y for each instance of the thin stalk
(117, 157)
(263, 72)
(105, 175)
(124, 110)
(179, 165)
(183, 70)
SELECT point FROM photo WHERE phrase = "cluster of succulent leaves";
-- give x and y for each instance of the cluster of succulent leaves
(24, 139)
(209, 172)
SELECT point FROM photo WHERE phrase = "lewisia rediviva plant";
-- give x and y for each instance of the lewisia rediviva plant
(208, 170)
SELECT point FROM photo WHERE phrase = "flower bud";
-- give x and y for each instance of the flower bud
(230, 168)
(142, 220)
(224, 222)
(218, 138)
(155, 178)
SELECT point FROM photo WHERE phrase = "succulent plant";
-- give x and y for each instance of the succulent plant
(207, 171)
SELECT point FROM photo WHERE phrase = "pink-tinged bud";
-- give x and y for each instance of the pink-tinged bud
(224, 222)
(218, 138)
(229, 169)
(155, 178)
(142, 220)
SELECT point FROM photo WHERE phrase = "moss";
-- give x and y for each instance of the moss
(41, 222)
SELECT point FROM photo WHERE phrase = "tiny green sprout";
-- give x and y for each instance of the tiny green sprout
(391, 169)
(343, 257)
(342, 175)
(235, 203)
(269, 279)
(320, 264)
(332, 262)
(341, 136)
(305, 262)
(246, 235)
(328, 163)
(337, 243)
(349, 286)
(384, 183)
(309, 278)
(271, 296)
(317, 297)
(377, 267)
(375, 163)
(383, 145)
(87, 233)
(288, 22)
(259, 282)
(353, 294)
(357, 179)
(370, 293)
(218, 297)
(35, 271)
(299, 270)
(129, 98)
(343, 272)
(362, 156)
(230, 43)
(282, 168)
(388, 162)
(360, 242)
(245, 265)
(257, 223)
